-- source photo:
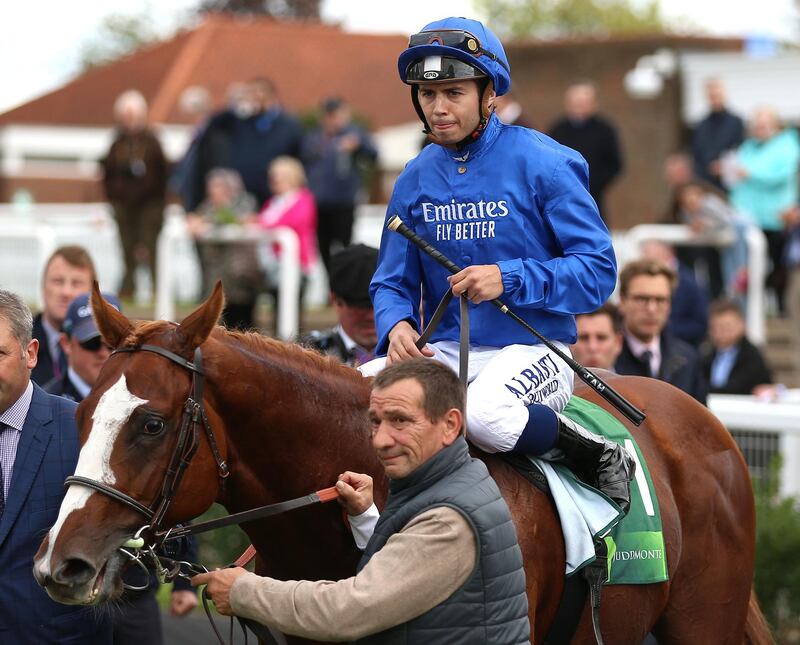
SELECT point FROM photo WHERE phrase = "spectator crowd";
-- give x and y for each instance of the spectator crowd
(252, 167)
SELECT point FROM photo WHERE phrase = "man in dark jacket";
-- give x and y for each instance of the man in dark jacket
(645, 292)
(719, 132)
(595, 137)
(422, 578)
(353, 339)
(688, 315)
(246, 137)
(334, 155)
(731, 363)
(38, 450)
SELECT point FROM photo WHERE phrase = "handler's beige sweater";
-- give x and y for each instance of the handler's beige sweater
(417, 569)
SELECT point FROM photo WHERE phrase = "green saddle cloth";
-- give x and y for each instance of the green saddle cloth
(636, 553)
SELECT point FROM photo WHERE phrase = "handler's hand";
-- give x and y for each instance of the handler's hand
(402, 346)
(480, 282)
(182, 601)
(355, 492)
(219, 587)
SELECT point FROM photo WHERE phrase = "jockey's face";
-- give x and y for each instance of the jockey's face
(403, 436)
(451, 109)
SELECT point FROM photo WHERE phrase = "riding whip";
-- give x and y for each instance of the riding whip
(630, 411)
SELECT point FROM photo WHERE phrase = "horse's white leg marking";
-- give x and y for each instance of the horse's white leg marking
(112, 412)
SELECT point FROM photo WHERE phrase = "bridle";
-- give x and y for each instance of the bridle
(186, 446)
(193, 417)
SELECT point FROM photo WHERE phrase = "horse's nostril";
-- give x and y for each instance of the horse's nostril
(43, 579)
(74, 571)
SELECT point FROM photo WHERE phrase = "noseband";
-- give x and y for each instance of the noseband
(194, 415)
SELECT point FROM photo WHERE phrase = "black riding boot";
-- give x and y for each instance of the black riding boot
(597, 461)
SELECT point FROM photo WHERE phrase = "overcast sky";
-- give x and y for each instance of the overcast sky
(39, 42)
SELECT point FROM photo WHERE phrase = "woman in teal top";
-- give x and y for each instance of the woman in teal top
(766, 184)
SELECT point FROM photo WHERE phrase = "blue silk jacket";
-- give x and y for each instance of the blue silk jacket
(514, 198)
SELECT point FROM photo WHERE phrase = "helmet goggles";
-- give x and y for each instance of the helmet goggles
(457, 39)
(441, 68)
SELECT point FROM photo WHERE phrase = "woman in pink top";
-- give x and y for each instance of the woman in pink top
(291, 205)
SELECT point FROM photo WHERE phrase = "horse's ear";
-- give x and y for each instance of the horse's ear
(112, 324)
(197, 326)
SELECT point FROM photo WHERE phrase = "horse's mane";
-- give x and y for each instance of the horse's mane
(301, 357)
(308, 360)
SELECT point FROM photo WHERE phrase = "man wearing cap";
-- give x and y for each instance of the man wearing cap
(513, 207)
(334, 154)
(353, 339)
(85, 350)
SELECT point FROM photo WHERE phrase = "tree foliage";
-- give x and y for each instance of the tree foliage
(119, 34)
(561, 18)
(777, 575)
(281, 9)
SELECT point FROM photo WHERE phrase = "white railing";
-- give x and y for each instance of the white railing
(28, 236)
(30, 233)
(174, 234)
(627, 245)
(764, 430)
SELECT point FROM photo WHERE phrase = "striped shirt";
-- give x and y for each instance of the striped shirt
(12, 421)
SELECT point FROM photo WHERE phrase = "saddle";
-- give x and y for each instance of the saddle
(591, 580)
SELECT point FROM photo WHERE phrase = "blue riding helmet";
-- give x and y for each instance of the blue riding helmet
(467, 50)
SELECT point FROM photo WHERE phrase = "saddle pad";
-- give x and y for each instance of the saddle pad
(636, 553)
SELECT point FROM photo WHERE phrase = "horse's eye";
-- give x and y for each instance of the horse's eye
(153, 426)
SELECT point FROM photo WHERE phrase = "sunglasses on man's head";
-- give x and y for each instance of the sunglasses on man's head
(93, 344)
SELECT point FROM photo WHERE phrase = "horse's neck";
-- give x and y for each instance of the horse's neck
(291, 432)
(293, 429)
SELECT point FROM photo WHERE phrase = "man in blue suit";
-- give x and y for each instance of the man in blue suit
(38, 450)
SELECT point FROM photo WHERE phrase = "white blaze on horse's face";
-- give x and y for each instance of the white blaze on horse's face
(110, 416)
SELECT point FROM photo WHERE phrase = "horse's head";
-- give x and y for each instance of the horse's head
(129, 428)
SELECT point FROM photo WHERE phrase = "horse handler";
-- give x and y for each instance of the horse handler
(442, 563)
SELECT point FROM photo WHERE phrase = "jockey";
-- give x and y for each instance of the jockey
(513, 207)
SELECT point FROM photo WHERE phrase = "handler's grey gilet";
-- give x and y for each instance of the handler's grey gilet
(491, 606)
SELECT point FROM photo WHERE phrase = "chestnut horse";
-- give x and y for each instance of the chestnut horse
(288, 421)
